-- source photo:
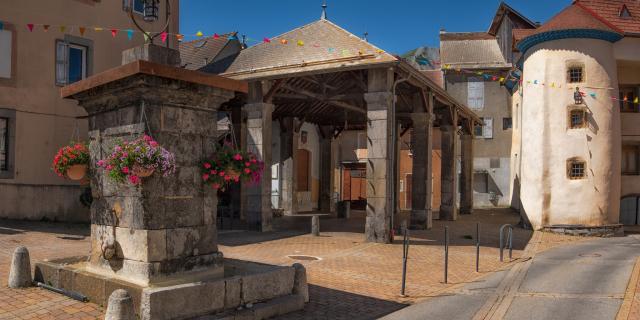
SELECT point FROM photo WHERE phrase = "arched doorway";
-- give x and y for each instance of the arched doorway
(630, 210)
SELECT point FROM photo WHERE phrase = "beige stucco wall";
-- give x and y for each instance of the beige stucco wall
(44, 121)
(548, 196)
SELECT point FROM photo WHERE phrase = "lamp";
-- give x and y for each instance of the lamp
(577, 96)
(150, 14)
(151, 10)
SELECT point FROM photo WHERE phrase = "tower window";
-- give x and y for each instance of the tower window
(624, 12)
(576, 169)
(577, 119)
(575, 74)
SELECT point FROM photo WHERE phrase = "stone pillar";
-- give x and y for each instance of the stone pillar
(448, 208)
(258, 141)
(166, 226)
(326, 169)
(421, 178)
(288, 149)
(466, 177)
(380, 176)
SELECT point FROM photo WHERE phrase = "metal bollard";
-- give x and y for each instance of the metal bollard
(446, 254)
(510, 238)
(478, 247)
(405, 256)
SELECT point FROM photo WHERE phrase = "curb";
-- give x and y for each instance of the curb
(625, 308)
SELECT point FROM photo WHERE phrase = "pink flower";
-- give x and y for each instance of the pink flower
(247, 170)
(221, 173)
(237, 157)
(125, 170)
(216, 186)
(153, 144)
(213, 172)
(254, 160)
(205, 177)
(109, 167)
(134, 179)
(147, 138)
(246, 164)
(227, 178)
(236, 179)
(207, 165)
(101, 163)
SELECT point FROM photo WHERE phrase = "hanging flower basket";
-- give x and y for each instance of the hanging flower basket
(72, 161)
(229, 165)
(132, 161)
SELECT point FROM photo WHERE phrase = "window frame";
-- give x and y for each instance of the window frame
(507, 123)
(471, 82)
(634, 148)
(573, 161)
(10, 115)
(583, 72)
(73, 42)
(11, 81)
(573, 110)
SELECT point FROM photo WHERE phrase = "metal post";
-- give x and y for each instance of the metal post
(510, 238)
(510, 243)
(405, 256)
(478, 247)
(446, 253)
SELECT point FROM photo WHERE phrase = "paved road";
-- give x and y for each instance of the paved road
(586, 280)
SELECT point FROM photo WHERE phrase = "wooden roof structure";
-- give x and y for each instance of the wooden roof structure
(318, 73)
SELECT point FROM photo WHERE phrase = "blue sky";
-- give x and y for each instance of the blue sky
(396, 26)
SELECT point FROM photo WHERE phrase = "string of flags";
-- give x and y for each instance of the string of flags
(502, 80)
(164, 36)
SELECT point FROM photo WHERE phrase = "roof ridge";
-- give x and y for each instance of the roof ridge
(210, 37)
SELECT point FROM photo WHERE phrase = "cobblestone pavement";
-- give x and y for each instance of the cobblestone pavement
(352, 280)
(44, 241)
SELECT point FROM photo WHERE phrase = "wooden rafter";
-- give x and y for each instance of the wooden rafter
(272, 91)
(321, 98)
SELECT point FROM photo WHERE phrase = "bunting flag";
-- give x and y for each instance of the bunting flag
(163, 37)
(300, 43)
(284, 41)
(82, 30)
(593, 95)
(266, 40)
(63, 28)
(179, 37)
(114, 32)
(45, 28)
(97, 29)
(30, 27)
(146, 37)
(331, 50)
(1, 25)
(199, 34)
(636, 100)
(233, 37)
(216, 36)
(130, 34)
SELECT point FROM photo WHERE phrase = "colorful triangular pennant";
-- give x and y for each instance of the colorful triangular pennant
(30, 27)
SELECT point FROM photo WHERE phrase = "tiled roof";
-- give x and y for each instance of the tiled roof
(198, 53)
(323, 46)
(610, 10)
(574, 17)
(471, 54)
(447, 36)
(517, 18)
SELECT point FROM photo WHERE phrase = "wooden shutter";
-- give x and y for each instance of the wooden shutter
(303, 170)
(6, 53)
(487, 130)
(62, 61)
(475, 95)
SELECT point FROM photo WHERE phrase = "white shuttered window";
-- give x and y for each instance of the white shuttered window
(487, 130)
(475, 95)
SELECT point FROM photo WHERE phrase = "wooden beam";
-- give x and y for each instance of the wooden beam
(272, 91)
(321, 98)
(291, 96)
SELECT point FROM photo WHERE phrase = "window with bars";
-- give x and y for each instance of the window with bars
(575, 74)
(7, 145)
(576, 169)
(577, 119)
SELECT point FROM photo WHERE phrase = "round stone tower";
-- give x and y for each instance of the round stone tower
(570, 136)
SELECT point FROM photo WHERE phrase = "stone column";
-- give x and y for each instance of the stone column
(466, 177)
(380, 176)
(288, 149)
(258, 141)
(326, 169)
(448, 208)
(421, 216)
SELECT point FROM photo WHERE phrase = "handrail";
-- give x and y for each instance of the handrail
(510, 239)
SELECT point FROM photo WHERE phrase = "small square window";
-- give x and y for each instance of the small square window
(577, 119)
(575, 74)
(507, 123)
(576, 169)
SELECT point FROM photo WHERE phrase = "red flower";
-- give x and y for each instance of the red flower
(216, 186)
(125, 170)
(205, 177)
(207, 165)
(237, 157)
(227, 178)
(134, 179)
(214, 172)
(246, 164)
(247, 170)
(221, 173)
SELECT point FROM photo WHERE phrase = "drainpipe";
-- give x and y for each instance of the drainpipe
(391, 183)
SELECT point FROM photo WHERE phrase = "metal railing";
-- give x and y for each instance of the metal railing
(509, 238)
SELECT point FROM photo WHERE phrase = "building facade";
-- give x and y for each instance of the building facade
(575, 151)
(45, 45)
